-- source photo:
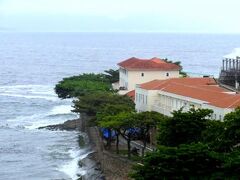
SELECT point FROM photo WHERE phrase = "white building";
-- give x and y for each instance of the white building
(165, 96)
(137, 71)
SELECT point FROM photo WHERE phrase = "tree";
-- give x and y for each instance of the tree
(232, 164)
(146, 121)
(106, 118)
(80, 85)
(194, 161)
(213, 136)
(124, 123)
(111, 123)
(112, 75)
(93, 103)
(231, 133)
(183, 127)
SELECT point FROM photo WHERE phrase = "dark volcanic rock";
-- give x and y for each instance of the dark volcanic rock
(68, 126)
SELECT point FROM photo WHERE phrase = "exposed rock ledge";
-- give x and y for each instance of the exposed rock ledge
(69, 125)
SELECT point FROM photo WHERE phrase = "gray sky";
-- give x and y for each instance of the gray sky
(197, 16)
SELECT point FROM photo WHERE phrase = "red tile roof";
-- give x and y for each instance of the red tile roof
(148, 64)
(204, 89)
(131, 94)
(158, 84)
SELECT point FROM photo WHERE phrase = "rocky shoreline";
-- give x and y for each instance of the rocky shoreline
(99, 164)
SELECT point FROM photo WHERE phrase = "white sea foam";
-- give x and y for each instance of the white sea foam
(56, 115)
(49, 98)
(29, 91)
(61, 109)
(72, 168)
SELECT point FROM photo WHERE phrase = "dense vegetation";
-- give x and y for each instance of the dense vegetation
(86, 83)
(190, 146)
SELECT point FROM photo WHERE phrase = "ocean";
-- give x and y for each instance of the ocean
(32, 63)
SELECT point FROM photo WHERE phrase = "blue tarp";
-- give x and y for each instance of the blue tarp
(105, 133)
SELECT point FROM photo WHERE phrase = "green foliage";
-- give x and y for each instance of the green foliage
(213, 136)
(93, 103)
(232, 128)
(114, 109)
(194, 161)
(80, 85)
(183, 127)
(148, 119)
(223, 136)
(112, 75)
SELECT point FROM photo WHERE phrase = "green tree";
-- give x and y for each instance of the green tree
(232, 164)
(112, 75)
(112, 124)
(93, 103)
(231, 133)
(106, 118)
(194, 161)
(147, 121)
(80, 85)
(123, 123)
(213, 136)
(183, 127)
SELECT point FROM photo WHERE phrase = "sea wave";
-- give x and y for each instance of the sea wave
(58, 114)
(72, 168)
(61, 109)
(29, 91)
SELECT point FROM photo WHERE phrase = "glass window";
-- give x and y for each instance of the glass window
(167, 74)
(142, 74)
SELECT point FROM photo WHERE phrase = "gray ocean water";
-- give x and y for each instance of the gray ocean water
(32, 63)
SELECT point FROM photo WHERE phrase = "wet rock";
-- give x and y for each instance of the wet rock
(69, 125)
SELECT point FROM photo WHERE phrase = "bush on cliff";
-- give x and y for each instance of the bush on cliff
(93, 103)
(80, 85)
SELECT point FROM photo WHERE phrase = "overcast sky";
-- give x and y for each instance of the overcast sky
(196, 16)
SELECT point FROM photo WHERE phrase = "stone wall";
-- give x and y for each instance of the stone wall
(113, 166)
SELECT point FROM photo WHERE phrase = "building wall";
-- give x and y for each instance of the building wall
(129, 78)
(144, 99)
(218, 113)
(123, 77)
(165, 103)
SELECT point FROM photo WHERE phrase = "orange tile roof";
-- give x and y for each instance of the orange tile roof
(148, 64)
(158, 84)
(131, 94)
(204, 89)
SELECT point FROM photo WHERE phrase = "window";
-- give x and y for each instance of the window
(167, 74)
(142, 74)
